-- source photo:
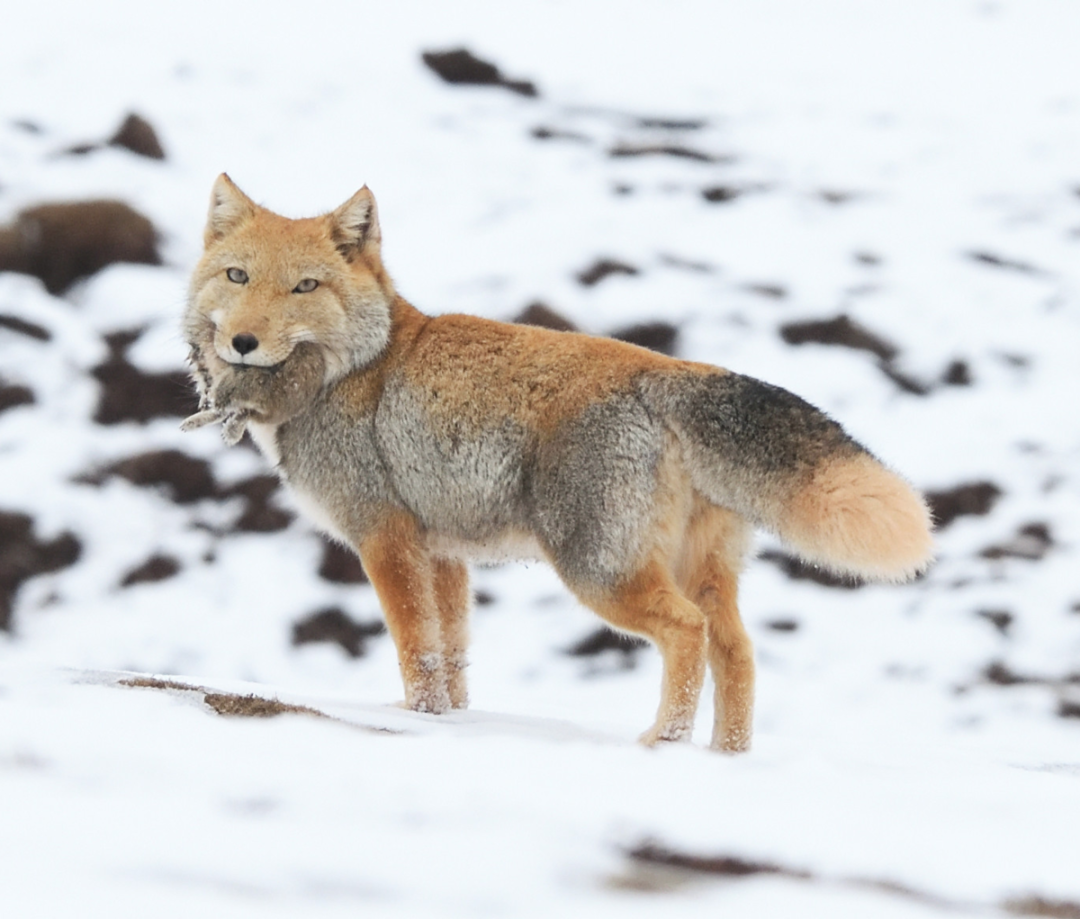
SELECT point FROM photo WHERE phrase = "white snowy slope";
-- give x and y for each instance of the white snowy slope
(757, 164)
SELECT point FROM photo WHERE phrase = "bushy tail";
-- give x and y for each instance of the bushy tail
(792, 470)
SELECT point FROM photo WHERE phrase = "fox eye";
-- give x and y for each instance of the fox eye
(236, 275)
(306, 286)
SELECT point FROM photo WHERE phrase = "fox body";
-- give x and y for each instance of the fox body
(422, 442)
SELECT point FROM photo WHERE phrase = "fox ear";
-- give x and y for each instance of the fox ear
(355, 225)
(229, 207)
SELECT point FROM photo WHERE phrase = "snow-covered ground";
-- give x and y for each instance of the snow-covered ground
(915, 167)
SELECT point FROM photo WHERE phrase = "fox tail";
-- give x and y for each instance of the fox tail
(790, 469)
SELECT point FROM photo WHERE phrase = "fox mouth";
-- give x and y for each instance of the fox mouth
(245, 350)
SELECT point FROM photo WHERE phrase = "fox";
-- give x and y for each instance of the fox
(426, 442)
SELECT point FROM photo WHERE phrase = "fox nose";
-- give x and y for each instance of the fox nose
(245, 343)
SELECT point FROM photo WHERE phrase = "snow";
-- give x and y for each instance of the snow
(878, 148)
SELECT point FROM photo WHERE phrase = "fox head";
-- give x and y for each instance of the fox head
(266, 283)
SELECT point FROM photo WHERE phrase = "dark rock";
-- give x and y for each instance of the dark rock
(129, 394)
(1000, 619)
(1031, 542)
(723, 866)
(542, 132)
(970, 499)
(783, 625)
(1000, 674)
(183, 478)
(62, 243)
(772, 291)
(721, 194)
(260, 515)
(1042, 907)
(906, 382)
(603, 268)
(624, 150)
(657, 336)
(798, 570)
(333, 625)
(340, 564)
(234, 705)
(23, 555)
(483, 598)
(155, 568)
(1067, 708)
(839, 331)
(836, 196)
(958, 373)
(12, 396)
(672, 124)
(1008, 264)
(30, 329)
(186, 479)
(137, 135)
(605, 639)
(542, 315)
(462, 68)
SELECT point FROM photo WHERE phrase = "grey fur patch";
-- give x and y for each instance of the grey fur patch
(331, 460)
(592, 493)
(461, 483)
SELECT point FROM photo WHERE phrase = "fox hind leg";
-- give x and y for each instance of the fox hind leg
(715, 546)
(403, 575)
(650, 604)
(452, 598)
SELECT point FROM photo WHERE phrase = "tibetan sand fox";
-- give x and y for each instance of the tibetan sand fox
(425, 441)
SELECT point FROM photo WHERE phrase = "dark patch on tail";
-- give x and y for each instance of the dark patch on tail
(746, 423)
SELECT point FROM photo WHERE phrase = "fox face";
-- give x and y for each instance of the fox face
(266, 283)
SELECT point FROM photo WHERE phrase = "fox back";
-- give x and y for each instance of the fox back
(424, 441)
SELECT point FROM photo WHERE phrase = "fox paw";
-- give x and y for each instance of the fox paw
(667, 733)
(432, 700)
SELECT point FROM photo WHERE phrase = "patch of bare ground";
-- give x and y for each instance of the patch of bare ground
(239, 705)
(655, 868)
